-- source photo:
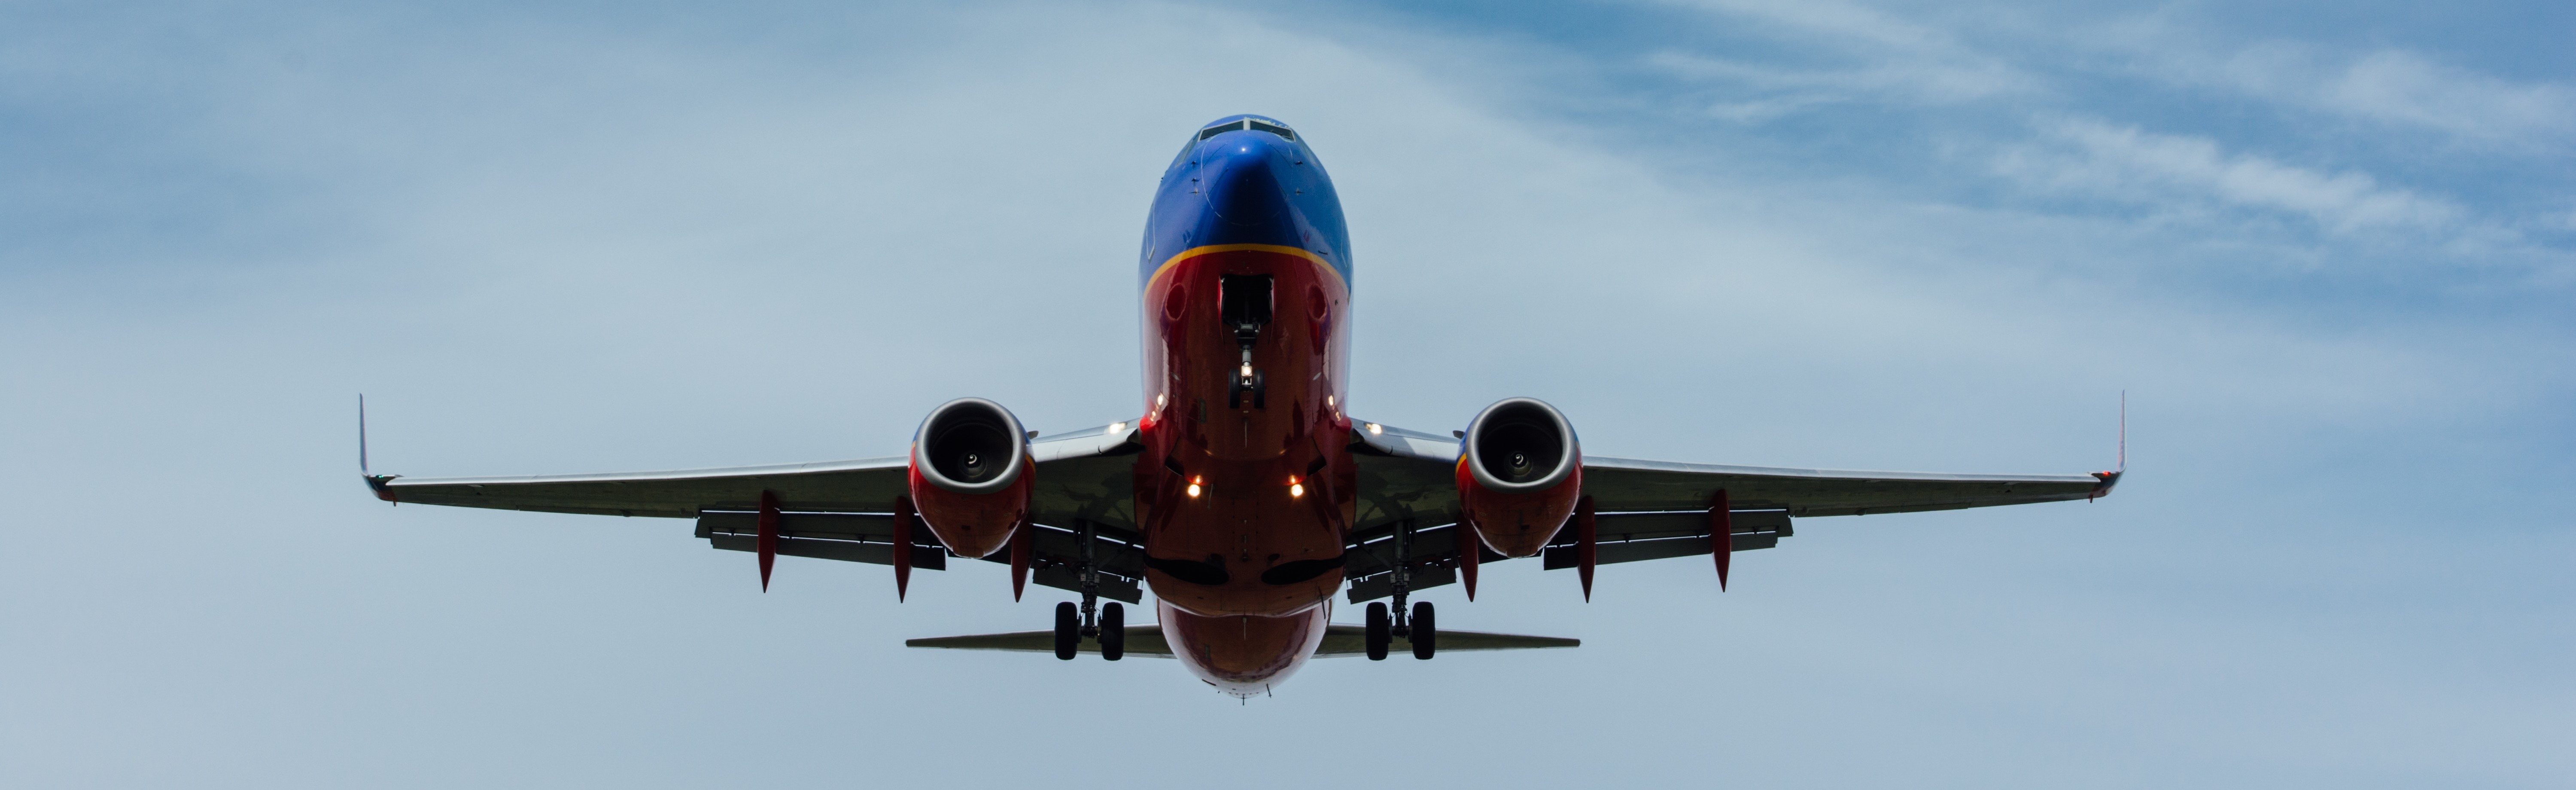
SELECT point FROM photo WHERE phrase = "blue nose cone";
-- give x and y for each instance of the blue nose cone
(1242, 171)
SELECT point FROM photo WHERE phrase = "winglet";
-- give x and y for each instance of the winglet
(2103, 488)
(2112, 478)
(375, 482)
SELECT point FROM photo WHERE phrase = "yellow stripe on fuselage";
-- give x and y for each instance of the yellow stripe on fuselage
(1211, 249)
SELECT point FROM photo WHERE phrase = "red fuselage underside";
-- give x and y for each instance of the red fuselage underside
(1273, 505)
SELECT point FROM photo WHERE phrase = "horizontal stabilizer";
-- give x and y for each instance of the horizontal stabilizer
(1352, 640)
(1339, 640)
(1142, 640)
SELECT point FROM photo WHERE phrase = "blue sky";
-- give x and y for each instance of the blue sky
(2326, 249)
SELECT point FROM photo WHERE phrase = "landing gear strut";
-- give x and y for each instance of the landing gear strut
(1383, 626)
(1106, 626)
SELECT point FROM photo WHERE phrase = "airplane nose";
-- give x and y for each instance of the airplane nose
(1242, 172)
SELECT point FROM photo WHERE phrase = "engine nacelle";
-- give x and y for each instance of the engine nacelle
(971, 474)
(1519, 474)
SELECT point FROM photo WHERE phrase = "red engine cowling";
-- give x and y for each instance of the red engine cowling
(1519, 473)
(971, 475)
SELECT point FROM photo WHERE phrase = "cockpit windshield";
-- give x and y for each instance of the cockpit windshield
(1247, 124)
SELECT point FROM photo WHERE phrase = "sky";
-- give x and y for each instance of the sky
(2326, 250)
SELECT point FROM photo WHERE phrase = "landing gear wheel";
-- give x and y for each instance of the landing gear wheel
(1425, 637)
(1377, 637)
(1068, 630)
(1113, 631)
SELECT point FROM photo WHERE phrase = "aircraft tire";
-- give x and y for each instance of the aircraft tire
(1068, 630)
(1113, 631)
(1426, 635)
(1378, 626)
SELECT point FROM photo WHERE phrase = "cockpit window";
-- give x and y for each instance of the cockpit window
(1232, 126)
(1222, 128)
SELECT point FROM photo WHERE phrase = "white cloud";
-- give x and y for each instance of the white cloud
(1898, 81)
(1841, 20)
(2390, 86)
(1888, 59)
(2124, 162)
(1892, 58)
(2400, 86)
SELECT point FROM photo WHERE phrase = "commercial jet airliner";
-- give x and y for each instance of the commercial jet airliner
(1244, 496)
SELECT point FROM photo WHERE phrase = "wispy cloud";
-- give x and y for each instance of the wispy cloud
(1882, 57)
(2103, 160)
(2394, 87)
(2404, 87)
(1909, 82)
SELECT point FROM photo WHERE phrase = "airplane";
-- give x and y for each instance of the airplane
(1243, 497)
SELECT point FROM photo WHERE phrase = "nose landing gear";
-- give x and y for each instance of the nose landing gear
(1244, 304)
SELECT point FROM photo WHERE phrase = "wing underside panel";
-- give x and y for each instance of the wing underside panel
(1056, 553)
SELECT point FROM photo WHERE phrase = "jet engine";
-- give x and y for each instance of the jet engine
(971, 474)
(1519, 474)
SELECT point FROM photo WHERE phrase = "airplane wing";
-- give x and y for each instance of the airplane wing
(1645, 509)
(841, 510)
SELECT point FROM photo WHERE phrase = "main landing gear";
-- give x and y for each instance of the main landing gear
(1107, 625)
(1421, 629)
(1110, 630)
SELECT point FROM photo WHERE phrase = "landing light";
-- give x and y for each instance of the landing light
(1194, 486)
(1295, 489)
(1117, 426)
(1375, 430)
(1247, 371)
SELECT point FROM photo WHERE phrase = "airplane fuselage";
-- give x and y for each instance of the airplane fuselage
(1246, 485)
